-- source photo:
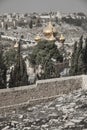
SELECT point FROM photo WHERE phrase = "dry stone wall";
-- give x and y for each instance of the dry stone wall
(42, 89)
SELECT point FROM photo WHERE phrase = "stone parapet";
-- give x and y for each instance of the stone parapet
(43, 89)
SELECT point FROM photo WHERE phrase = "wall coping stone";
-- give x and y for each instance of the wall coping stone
(59, 79)
(84, 83)
(43, 89)
(17, 88)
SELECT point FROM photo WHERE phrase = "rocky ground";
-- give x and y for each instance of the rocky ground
(67, 112)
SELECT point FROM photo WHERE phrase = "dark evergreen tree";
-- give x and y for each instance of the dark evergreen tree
(38, 22)
(3, 70)
(18, 76)
(79, 58)
(10, 57)
(80, 45)
(6, 26)
(31, 24)
(56, 20)
(85, 57)
(74, 65)
(0, 37)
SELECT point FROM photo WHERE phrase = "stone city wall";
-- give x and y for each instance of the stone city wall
(43, 89)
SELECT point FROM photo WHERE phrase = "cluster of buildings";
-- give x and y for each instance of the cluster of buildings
(11, 29)
(14, 27)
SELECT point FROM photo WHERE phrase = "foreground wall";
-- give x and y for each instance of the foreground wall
(42, 89)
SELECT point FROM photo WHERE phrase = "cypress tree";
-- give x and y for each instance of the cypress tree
(3, 70)
(80, 56)
(79, 59)
(74, 66)
(31, 24)
(18, 75)
(85, 57)
(80, 64)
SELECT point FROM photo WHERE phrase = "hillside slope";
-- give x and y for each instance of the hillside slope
(67, 112)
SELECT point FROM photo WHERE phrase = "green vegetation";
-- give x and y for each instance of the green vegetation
(6, 27)
(46, 54)
(18, 75)
(31, 24)
(10, 57)
(3, 70)
(79, 58)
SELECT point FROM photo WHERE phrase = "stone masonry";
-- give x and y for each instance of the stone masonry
(42, 89)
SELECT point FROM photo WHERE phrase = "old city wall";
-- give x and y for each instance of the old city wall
(42, 90)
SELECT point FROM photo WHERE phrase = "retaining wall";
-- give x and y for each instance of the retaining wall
(43, 89)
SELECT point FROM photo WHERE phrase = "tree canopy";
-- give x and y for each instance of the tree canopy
(45, 54)
(10, 57)
(3, 70)
(79, 58)
(18, 75)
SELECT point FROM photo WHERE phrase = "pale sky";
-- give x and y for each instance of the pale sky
(23, 6)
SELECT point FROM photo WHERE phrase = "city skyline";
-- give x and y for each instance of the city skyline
(23, 6)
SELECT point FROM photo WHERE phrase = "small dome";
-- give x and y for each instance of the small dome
(49, 29)
(16, 45)
(37, 38)
(62, 37)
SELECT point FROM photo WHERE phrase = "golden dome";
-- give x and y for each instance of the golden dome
(37, 38)
(62, 37)
(49, 29)
(16, 45)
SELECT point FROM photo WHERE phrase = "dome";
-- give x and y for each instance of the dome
(37, 38)
(62, 37)
(16, 45)
(49, 29)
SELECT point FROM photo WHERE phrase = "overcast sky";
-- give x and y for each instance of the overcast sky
(43, 5)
